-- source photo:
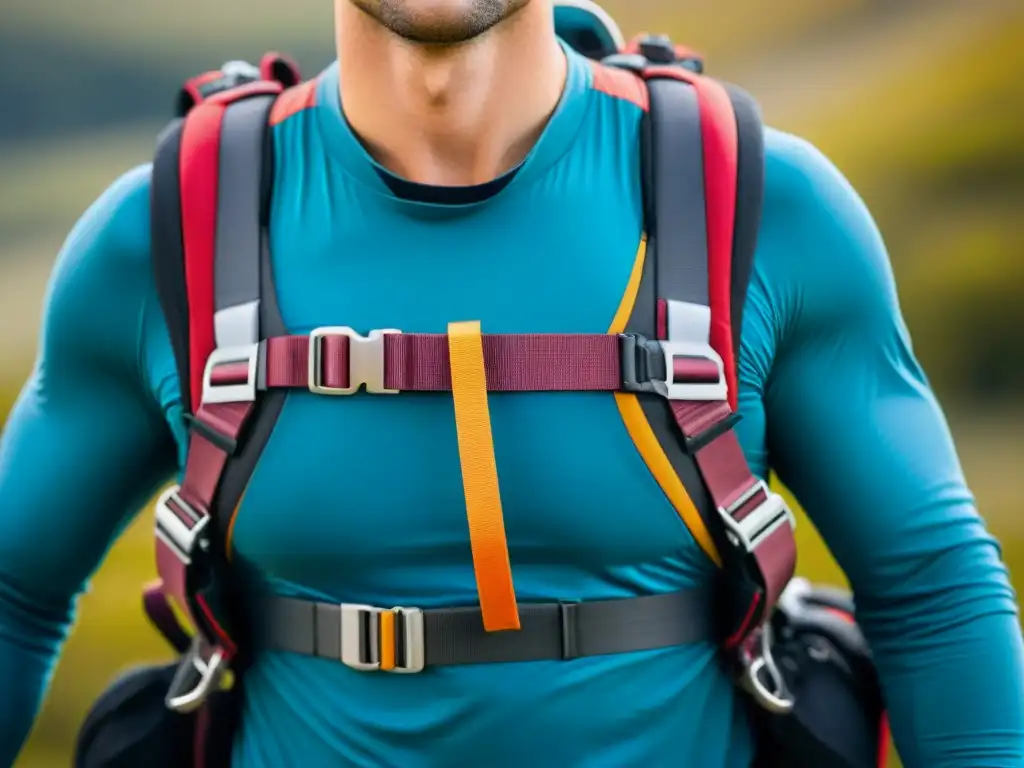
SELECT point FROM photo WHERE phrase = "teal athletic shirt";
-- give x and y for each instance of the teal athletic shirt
(361, 499)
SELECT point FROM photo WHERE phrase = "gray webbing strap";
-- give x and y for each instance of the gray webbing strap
(679, 230)
(237, 262)
(445, 636)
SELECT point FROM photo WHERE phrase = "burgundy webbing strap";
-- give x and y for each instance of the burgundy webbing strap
(417, 362)
(757, 522)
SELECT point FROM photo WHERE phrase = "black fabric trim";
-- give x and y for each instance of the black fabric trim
(749, 201)
(167, 250)
(428, 193)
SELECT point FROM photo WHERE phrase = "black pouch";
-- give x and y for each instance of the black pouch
(129, 725)
(838, 716)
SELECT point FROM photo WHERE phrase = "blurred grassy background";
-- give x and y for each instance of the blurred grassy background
(919, 102)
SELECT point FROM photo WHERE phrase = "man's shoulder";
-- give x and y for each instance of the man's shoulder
(114, 232)
(797, 172)
(103, 278)
(820, 255)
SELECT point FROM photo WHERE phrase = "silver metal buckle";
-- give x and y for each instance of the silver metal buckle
(749, 532)
(365, 361)
(690, 390)
(209, 675)
(360, 638)
(772, 695)
(232, 393)
(409, 640)
(172, 530)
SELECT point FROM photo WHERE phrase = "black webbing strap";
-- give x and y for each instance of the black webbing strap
(749, 200)
(447, 636)
(167, 250)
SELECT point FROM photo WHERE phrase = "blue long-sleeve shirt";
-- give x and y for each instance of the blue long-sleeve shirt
(361, 500)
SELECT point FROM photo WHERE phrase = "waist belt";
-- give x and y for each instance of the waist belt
(408, 639)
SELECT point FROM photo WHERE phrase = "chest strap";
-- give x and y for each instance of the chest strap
(339, 361)
(406, 640)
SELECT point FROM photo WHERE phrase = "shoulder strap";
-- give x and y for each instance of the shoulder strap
(702, 201)
(233, 81)
(210, 261)
(749, 198)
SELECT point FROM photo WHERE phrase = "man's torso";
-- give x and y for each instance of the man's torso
(361, 499)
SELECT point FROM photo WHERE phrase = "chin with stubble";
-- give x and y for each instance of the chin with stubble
(439, 22)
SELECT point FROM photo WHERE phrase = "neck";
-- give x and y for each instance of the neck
(450, 115)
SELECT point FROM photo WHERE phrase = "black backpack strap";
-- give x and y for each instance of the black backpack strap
(749, 199)
(211, 260)
(702, 225)
(168, 251)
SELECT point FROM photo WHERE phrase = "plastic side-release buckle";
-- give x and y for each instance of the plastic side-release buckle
(365, 361)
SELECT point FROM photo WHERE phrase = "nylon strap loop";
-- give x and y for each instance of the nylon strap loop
(480, 478)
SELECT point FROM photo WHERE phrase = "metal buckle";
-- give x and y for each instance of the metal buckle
(365, 361)
(749, 532)
(360, 638)
(646, 366)
(207, 676)
(232, 393)
(173, 531)
(772, 695)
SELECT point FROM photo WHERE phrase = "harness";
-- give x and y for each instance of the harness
(671, 367)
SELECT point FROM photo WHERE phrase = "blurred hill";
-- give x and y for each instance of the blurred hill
(919, 102)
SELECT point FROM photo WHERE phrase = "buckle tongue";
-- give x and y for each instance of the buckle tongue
(361, 638)
(758, 524)
(365, 361)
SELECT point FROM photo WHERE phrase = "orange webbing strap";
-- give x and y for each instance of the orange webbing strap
(480, 478)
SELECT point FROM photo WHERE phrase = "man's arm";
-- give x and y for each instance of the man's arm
(85, 445)
(855, 432)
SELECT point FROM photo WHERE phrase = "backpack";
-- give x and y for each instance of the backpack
(676, 354)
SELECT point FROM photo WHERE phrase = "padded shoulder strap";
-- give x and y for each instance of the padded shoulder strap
(691, 209)
(201, 227)
(708, 179)
(212, 281)
(702, 219)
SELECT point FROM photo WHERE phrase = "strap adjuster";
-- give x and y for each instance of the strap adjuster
(362, 646)
(231, 375)
(179, 525)
(756, 526)
(649, 365)
(365, 361)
